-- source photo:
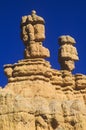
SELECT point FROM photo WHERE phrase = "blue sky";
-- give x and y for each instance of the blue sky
(61, 17)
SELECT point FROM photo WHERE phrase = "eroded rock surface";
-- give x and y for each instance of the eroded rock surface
(33, 34)
(67, 53)
(38, 97)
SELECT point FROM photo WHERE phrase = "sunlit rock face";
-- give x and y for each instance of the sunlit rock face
(38, 97)
(67, 52)
(33, 34)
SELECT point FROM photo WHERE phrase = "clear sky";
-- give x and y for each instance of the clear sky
(61, 17)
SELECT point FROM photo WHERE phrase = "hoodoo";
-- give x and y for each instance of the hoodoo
(38, 97)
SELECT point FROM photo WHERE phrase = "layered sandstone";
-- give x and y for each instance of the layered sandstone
(67, 52)
(33, 34)
(38, 97)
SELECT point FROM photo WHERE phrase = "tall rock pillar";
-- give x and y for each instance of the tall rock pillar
(33, 34)
(33, 72)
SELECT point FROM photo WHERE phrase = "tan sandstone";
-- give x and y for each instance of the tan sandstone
(38, 97)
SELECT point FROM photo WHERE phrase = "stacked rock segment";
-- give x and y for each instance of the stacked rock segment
(33, 34)
(67, 53)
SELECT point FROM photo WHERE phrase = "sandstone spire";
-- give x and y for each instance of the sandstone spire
(33, 34)
(67, 52)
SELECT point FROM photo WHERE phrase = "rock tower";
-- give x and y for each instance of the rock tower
(38, 97)
(67, 52)
(33, 34)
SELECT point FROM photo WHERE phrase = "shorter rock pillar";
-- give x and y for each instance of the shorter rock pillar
(67, 54)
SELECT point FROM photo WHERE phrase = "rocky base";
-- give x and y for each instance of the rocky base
(38, 97)
(39, 113)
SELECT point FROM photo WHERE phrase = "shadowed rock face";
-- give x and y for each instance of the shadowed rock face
(38, 97)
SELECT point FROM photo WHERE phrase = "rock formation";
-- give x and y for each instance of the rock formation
(33, 34)
(38, 97)
(67, 53)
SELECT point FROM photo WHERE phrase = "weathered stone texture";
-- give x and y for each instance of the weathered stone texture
(67, 54)
(33, 34)
(38, 97)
